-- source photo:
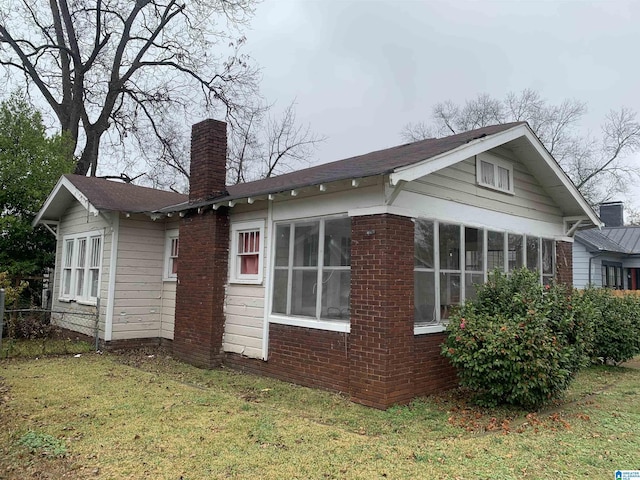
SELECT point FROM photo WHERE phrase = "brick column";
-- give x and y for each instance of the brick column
(381, 339)
(564, 263)
(202, 274)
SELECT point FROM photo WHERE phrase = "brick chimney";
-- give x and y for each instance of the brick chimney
(208, 160)
(204, 252)
(612, 214)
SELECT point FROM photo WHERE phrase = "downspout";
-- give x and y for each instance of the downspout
(268, 281)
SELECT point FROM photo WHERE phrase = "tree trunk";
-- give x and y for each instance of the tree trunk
(89, 159)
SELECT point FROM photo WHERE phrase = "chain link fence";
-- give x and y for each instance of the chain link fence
(34, 326)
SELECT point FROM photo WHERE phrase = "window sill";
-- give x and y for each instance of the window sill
(425, 329)
(246, 281)
(496, 189)
(170, 279)
(91, 303)
(333, 326)
(65, 300)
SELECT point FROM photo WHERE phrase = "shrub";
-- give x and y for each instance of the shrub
(518, 343)
(616, 324)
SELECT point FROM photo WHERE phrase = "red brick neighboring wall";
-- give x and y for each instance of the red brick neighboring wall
(564, 263)
(381, 339)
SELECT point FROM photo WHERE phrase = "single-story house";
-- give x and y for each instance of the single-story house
(340, 276)
(609, 256)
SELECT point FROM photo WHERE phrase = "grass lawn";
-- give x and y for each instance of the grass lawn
(139, 416)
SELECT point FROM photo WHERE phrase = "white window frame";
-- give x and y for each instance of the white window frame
(78, 267)
(235, 275)
(317, 322)
(439, 325)
(496, 162)
(170, 236)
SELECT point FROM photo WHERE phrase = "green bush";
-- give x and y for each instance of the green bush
(519, 342)
(616, 324)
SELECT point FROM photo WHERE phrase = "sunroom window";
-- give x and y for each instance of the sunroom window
(312, 269)
(451, 260)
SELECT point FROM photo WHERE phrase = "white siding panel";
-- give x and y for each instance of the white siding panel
(138, 288)
(168, 310)
(78, 220)
(244, 304)
(580, 265)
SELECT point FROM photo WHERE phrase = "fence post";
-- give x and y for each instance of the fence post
(1, 315)
(97, 324)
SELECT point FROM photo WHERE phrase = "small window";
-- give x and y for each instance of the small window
(494, 173)
(612, 275)
(246, 252)
(172, 243)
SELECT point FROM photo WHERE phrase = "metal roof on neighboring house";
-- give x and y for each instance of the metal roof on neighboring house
(612, 239)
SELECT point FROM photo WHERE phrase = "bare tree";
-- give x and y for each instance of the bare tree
(261, 144)
(123, 66)
(596, 166)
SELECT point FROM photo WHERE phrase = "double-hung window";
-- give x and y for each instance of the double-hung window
(312, 269)
(81, 265)
(246, 252)
(172, 243)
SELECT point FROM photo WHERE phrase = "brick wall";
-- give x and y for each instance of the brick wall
(381, 339)
(432, 372)
(564, 263)
(309, 357)
(202, 275)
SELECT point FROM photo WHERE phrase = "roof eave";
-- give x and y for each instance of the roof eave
(49, 203)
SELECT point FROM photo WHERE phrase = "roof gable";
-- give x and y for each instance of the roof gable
(99, 194)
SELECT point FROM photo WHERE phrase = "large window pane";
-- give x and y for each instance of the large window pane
(472, 280)
(495, 251)
(337, 242)
(547, 256)
(533, 261)
(336, 285)
(516, 259)
(473, 248)
(425, 297)
(423, 240)
(305, 252)
(282, 245)
(303, 292)
(449, 293)
(449, 247)
(280, 282)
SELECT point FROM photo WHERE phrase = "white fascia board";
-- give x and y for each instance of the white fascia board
(63, 182)
(433, 164)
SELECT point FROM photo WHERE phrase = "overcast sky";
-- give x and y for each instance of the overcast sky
(360, 70)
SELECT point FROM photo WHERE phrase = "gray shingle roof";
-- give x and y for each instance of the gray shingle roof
(123, 197)
(612, 239)
(375, 163)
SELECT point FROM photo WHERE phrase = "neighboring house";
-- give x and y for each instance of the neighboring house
(343, 275)
(111, 246)
(610, 256)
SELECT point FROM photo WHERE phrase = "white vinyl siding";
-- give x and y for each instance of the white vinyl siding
(244, 302)
(581, 266)
(74, 222)
(138, 302)
(457, 183)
